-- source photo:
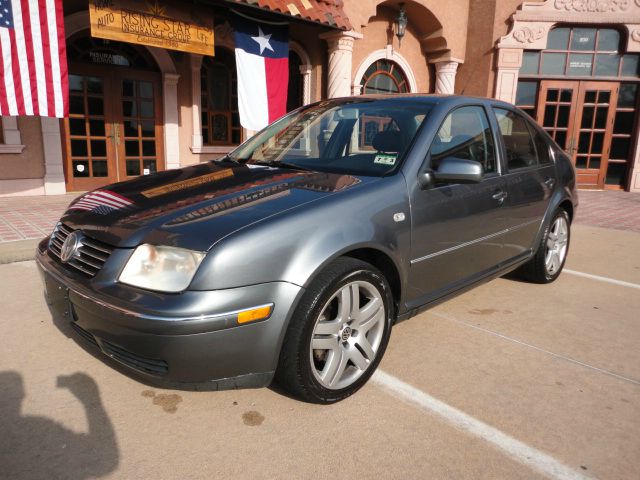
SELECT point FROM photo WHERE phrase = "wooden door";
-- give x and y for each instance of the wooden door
(114, 131)
(579, 116)
(557, 103)
(90, 155)
(592, 132)
(138, 113)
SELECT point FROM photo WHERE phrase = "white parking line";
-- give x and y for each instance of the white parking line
(602, 279)
(525, 344)
(517, 450)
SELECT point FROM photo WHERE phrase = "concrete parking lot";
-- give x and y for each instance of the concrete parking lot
(510, 380)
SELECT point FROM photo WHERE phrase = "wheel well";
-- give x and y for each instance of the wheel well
(567, 206)
(383, 263)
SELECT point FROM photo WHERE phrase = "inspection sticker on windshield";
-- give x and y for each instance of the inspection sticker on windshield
(385, 158)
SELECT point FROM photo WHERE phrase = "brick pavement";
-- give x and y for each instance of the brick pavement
(25, 218)
(609, 209)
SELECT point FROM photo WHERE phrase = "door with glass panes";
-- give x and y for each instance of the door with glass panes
(580, 115)
(114, 128)
(584, 89)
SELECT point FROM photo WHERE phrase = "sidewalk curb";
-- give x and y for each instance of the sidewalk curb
(19, 251)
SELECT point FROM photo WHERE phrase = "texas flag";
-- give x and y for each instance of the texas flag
(262, 62)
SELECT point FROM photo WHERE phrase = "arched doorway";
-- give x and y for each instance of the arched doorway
(114, 129)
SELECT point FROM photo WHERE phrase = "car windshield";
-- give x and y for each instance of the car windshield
(362, 137)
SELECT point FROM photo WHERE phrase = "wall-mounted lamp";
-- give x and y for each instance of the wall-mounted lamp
(401, 24)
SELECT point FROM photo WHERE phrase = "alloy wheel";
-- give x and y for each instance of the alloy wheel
(556, 245)
(347, 335)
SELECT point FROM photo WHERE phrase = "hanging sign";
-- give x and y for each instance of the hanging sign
(173, 25)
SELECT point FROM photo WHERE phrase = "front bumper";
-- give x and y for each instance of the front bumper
(184, 340)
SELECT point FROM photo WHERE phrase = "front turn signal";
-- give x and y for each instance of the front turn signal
(255, 314)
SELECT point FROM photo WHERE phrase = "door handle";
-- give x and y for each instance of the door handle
(549, 182)
(500, 195)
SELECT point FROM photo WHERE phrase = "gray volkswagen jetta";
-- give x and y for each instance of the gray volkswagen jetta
(292, 257)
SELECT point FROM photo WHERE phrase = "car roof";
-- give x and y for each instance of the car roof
(422, 98)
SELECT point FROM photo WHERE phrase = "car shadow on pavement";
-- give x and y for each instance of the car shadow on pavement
(35, 447)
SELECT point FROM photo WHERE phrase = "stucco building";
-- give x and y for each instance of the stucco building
(574, 65)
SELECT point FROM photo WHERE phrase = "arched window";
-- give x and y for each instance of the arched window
(219, 100)
(384, 76)
(294, 94)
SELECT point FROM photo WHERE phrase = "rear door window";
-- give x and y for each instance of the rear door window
(519, 145)
(466, 134)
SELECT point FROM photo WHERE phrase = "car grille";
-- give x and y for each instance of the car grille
(91, 254)
(84, 334)
(137, 362)
(146, 365)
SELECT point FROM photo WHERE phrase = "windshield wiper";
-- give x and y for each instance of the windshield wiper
(278, 164)
(226, 158)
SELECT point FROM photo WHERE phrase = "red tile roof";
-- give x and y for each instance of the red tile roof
(326, 12)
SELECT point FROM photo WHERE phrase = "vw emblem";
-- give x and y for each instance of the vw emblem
(70, 246)
(346, 333)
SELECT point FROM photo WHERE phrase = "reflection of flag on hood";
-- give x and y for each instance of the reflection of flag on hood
(262, 61)
(101, 201)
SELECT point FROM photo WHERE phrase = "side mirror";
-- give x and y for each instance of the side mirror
(458, 170)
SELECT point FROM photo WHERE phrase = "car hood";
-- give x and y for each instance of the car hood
(194, 207)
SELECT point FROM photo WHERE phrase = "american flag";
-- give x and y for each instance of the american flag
(33, 60)
(101, 201)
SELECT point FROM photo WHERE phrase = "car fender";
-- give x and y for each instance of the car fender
(295, 246)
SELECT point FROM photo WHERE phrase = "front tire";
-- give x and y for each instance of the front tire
(338, 333)
(546, 265)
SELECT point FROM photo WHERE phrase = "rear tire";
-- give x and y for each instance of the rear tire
(338, 333)
(547, 263)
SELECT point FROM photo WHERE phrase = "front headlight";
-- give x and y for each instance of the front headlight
(167, 269)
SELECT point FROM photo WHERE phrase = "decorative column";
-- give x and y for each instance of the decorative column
(171, 120)
(53, 163)
(509, 63)
(446, 77)
(305, 71)
(340, 60)
(196, 96)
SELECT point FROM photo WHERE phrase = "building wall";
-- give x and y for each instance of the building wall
(489, 20)
(29, 163)
(378, 33)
